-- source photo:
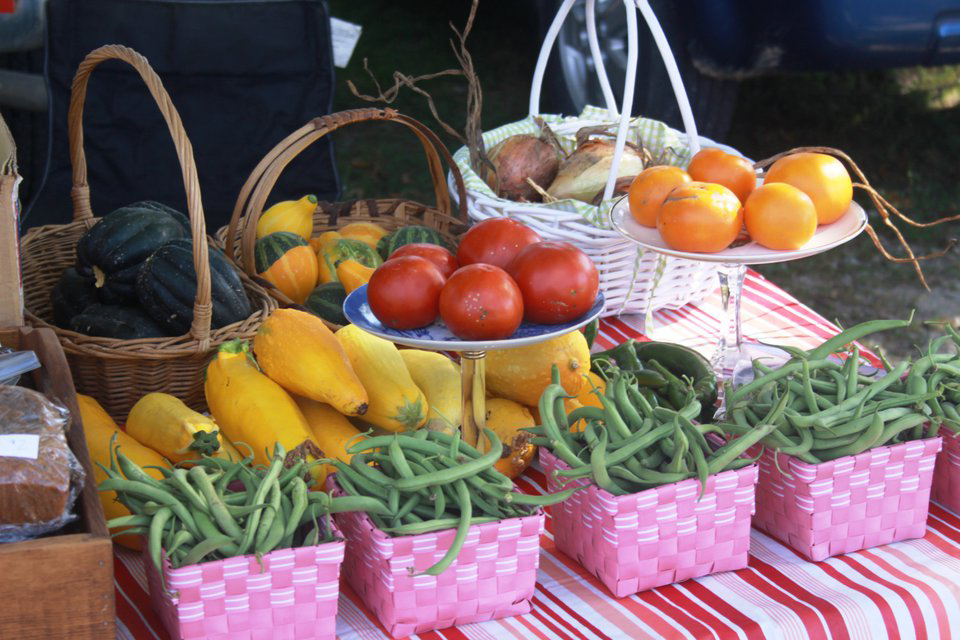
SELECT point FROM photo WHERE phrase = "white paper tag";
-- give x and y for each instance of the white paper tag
(20, 445)
(344, 35)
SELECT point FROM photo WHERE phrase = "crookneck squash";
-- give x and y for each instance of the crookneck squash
(286, 260)
(167, 286)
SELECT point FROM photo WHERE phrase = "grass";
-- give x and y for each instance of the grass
(899, 126)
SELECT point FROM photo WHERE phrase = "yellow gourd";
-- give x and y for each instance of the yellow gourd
(298, 351)
(353, 275)
(395, 402)
(163, 423)
(438, 377)
(505, 418)
(330, 429)
(522, 373)
(319, 241)
(367, 232)
(98, 430)
(295, 216)
(253, 409)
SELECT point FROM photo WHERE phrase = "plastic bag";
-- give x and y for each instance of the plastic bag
(40, 477)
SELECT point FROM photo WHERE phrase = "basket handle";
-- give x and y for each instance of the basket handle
(253, 195)
(80, 193)
(663, 46)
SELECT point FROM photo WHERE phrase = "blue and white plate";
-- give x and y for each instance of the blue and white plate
(438, 338)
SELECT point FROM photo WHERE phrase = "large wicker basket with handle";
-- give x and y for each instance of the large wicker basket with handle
(239, 237)
(119, 372)
(632, 280)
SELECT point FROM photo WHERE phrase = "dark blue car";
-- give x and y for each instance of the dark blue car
(719, 42)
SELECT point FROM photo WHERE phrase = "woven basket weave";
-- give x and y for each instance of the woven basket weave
(855, 502)
(293, 595)
(946, 474)
(118, 372)
(493, 576)
(655, 537)
(239, 237)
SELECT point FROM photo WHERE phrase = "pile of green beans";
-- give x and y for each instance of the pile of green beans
(937, 373)
(824, 409)
(427, 481)
(667, 374)
(631, 445)
(194, 515)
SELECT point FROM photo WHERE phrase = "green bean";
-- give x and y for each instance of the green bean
(653, 460)
(438, 524)
(204, 548)
(855, 333)
(559, 443)
(132, 471)
(700, 466)
(852, 376)
(217, 508)
(445, 439)
(356, 503)
(541, 500)
(271, 513)
(180, 538)
(637, 397)
(898, 425)
(155, 538)
(297, 469)
(464, 470)
(720, 458)
(179, 481)
(355, 479)
(405, 508)
(222, 484)
(819, 444)
(680, 439)
(625, 407)
(132, 520)
(866, 440)
(466, 513)
(599, 467)
(161, 496)
(273, 537)
(266, 484)
(851, 402)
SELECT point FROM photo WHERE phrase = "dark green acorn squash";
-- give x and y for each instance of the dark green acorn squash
(72, 294)
(113, 249)
(167, 285)
(326, 301)
(116, 321)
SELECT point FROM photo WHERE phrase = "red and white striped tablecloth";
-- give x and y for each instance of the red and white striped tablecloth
(903, 590)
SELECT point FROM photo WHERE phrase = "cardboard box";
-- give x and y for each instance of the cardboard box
(11, 287)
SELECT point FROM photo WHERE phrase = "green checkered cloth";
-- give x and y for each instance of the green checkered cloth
(667, 146)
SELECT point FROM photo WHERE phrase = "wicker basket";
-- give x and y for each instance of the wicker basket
(655, 537)
(855, 502)
(118, 372)
(239, 238)
(632, 280)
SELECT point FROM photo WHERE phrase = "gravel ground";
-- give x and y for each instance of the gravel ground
(855, 283)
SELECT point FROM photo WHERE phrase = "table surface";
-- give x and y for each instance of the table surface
(904, 590)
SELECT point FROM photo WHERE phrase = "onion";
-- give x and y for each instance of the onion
(583, 174)
(520, 157)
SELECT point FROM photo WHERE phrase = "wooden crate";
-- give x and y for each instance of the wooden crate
(58, 586)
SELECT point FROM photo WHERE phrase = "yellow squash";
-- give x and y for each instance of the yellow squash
(522, 373)
(366, 232)
(253, 409)
(297, 350)
(98, 429)
(505, 418)
(330, 428)
(439, 378)
(295, 216)
(395, 401)
(163, 423)
(353, 275)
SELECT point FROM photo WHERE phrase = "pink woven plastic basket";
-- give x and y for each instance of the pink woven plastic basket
(855, 502)
(946, 475)
(493, 576)
(293, 596)
(659, 536)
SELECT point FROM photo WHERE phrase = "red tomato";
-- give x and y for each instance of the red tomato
(436, 254)
(494, 241)
(481, 302)
(404, 292)
(559, 282)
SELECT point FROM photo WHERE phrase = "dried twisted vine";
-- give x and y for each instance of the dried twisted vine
(473, 132)
(884, 208)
